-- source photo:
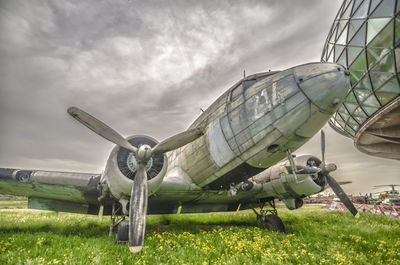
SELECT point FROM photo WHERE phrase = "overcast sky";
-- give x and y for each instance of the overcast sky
(147, 67)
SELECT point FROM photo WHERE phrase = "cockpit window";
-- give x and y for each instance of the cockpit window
(249, 83)
(236, 92)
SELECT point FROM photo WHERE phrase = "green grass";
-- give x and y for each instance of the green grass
(314, 236)
(24, 202)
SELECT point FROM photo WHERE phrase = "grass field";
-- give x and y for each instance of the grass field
(314, 236)
(5, 203)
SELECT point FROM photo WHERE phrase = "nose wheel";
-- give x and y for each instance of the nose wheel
(269, 219)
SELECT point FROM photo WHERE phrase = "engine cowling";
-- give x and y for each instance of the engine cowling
(122, 164)
(280, 182)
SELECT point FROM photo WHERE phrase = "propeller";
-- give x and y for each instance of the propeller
(138, 200)
(325, 169)
(100, 128)
(292, 165)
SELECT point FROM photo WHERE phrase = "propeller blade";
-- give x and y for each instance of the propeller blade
(178, 140)
(100, 128)
(323, 145)
(341, 194)
(291, 161)
(138, 210)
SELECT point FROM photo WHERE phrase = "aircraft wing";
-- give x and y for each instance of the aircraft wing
(51, 190)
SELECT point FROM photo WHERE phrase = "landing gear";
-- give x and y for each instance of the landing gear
(119, 221)
(268, 218)
(123, 231)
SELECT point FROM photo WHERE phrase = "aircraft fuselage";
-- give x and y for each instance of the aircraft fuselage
(250, 127)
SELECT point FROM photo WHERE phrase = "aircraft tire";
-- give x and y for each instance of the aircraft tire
(123, 231)
(274, 223)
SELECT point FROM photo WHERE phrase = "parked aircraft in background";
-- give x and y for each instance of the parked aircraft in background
(226, 160)
(389, 197)
(392, 192)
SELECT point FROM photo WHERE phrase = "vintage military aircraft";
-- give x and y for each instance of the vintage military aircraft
(225, 160)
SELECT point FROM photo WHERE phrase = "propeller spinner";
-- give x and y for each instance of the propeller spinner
(138, 199)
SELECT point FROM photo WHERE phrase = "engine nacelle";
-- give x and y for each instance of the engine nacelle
(122, 165)
(280, 182)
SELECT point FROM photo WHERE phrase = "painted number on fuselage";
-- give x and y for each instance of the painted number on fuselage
(264, 101)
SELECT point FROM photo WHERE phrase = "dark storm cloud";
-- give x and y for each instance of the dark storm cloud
(144, 67)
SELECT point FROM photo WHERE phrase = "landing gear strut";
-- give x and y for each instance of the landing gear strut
(268, 218)
(119, 221)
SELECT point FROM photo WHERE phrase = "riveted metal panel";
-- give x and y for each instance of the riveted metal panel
(237, 119)
(283, 88)
(314, 123)
(235, 148)
(293, 119)
(296, 141)
(194, 146)
(193, 161)
(196, 161)
(220, 151)
(220, 111)
(274, 157)
(257, 155)
(203, 169)
(280, 110)
(260, 129)
(228, 167)
(193, 158)
(229, 136)
(244, 140)
(257, 128)
(226, 128)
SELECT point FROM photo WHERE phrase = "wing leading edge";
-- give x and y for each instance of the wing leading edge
(52, 190)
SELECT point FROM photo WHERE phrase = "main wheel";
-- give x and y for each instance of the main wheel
(123, 231)
(272, 222)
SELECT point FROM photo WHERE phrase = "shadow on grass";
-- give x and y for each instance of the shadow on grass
(158, 224)
(86, 230)
(194, 226)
